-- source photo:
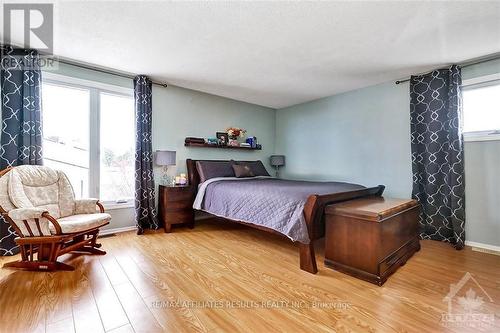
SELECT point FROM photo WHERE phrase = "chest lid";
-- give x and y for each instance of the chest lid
(374, 209)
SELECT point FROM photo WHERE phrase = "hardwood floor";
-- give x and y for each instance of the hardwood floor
(222, 277)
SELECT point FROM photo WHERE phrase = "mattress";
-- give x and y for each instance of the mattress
(269, 202)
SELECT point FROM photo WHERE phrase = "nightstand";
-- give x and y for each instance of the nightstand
(175, 205)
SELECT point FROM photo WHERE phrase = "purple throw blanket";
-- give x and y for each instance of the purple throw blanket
(269, 202)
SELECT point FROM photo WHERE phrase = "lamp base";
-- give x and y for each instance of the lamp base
(166, 180)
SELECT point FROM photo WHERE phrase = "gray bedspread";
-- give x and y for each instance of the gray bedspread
(273, 203)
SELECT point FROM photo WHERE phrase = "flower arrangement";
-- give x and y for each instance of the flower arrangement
(235, 132)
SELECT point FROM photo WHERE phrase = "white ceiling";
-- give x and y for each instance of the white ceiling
(276, 54)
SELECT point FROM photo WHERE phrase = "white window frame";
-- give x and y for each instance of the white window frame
(95, 89)
(475, 83)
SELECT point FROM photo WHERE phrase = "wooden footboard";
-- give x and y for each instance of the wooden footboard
(314, 216)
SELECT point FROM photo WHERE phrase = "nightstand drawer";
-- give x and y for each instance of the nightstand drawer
(176, 217)
(184, 195)
(177, 205)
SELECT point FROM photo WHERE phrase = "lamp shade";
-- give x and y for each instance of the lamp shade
(277, 160)
(165, 157)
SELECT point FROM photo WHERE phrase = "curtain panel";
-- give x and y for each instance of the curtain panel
(21, 127)
(438, 155)
(145, 212)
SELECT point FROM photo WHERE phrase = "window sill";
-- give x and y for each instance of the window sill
(481, 137)
(114, 206)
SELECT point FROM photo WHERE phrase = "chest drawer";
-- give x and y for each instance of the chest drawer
(392, 259)
(398, 258)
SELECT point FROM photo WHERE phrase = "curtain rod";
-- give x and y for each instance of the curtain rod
(87, 66)
(102, 70)
(466, 63)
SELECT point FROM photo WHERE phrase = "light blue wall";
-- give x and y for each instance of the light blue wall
(178, 113)
(85, 74)
(362, 136)
(346, 137)
(482, 190)
(482, 69)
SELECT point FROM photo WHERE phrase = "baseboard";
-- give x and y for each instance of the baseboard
(493, 249)
(116, 230)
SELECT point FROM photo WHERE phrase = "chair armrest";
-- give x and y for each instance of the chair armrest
(20, 214)
(25, 220)
(87, 206)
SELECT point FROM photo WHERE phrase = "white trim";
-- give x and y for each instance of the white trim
(482, 136)
(70, 80)
(114, 206)
(477, 83)
(94, 141)
(483, 246)
(481, 80)
(116, 230)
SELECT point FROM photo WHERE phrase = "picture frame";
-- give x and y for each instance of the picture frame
(222, 138)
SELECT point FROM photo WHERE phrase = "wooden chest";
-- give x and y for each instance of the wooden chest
(370, 238)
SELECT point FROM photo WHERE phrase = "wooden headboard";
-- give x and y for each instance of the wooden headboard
(193, 176)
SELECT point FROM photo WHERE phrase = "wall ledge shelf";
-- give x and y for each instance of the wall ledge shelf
(205, 145)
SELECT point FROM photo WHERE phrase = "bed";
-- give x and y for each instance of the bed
(293, 209)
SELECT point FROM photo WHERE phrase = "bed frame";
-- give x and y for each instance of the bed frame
(313, 214)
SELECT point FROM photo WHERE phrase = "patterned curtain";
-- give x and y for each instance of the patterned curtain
(437, 154)
(145, 212)
(21, 131)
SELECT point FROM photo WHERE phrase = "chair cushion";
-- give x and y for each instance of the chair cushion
(39, 186)
(5, 202)
(81, 222)
(86, 206)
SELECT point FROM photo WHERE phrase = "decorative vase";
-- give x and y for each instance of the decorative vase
(234, 143)
(242, 137)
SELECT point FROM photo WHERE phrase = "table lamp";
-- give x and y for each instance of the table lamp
(165, 158)
(277, 161)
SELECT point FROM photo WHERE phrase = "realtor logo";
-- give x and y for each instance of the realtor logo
(29, 25)
(466, 301)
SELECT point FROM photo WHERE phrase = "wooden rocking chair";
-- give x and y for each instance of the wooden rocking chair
(40, 205)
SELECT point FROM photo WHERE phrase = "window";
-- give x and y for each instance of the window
(89, 133)
(117, 150)
(481, 105)
(66, 139)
